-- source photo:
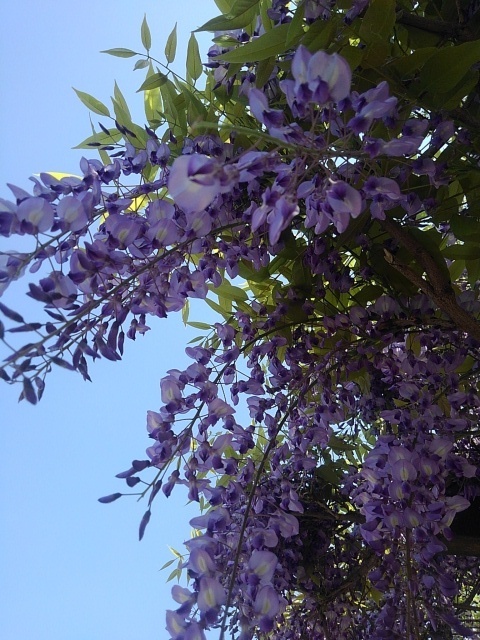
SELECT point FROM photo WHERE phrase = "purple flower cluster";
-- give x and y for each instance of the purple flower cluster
(328, 510)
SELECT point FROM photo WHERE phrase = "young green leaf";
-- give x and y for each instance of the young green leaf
(145, 34)
(119, 52)
(229, 291)
(141, 64)
(241, 14)
(152, 102)
(185, 313)
(121, 100)
(271, 43)
(153, 81)
(92, 103)
(200, 325)
(296, 26)
(194, 61)
(225, 6)
(167, 564)
(241, 7)
(171, 46)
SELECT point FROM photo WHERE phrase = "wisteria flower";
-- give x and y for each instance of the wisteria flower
(319, 78)
(194, 182)
(37, 213)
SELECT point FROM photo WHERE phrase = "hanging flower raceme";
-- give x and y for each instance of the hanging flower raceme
(329, 502)
(319, 78)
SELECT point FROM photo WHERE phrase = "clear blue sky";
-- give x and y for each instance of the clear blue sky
(71, 568)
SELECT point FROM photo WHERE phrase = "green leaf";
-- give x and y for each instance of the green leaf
(296, 26)
(337, 444)
(320, 34)
(267, 22)
(199, 325)
(327, 472)
(121, 100)
(465, 227)
(195, 108)
(175, 574)
(241, 7)
(141, 64)
(230, 292)
(473, 270)
(167, 564)
(122, 117)
(216, 307)
(353, 55)
(408, 65)
(242, 13)
(446, 68)
(174, 108)
(120, 52)
(462, 252)
(269, 44)
(152, 102)
(194, 61)
(154, 81)
(145, 34)
(454, 98)
(92, 103)
(225, 6)
(264, 71)
(185, 312)
(171, 46)
(378, 22)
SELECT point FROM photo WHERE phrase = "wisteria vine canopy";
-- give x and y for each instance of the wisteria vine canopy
(314, 179)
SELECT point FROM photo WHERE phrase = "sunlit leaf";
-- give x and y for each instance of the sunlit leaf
(120, 52)
(153, 82)
(121, 100)
(229, 291)
(59, 175)
(194, 61)
(145, 34)
(92, 103)
(199, 325)
(225, 6)
(167, 564)
(152, 102)
(269, 44)
(141, 64)
(240, 15)
(171, 46)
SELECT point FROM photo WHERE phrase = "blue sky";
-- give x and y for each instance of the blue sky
(71, 568)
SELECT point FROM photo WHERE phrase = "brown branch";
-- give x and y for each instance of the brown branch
(438, 287)
(429, 24)
(459, 32)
